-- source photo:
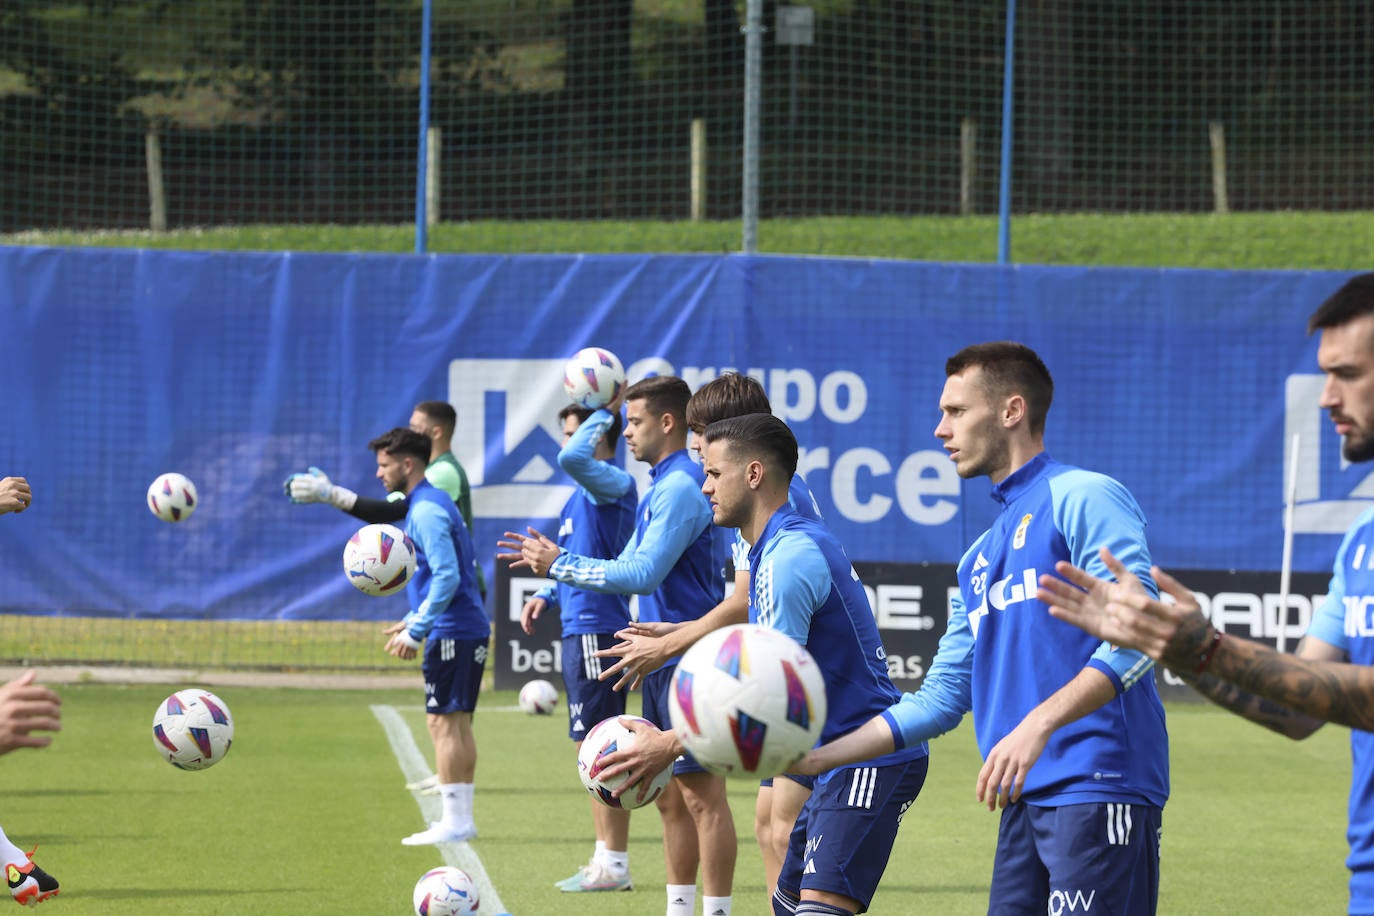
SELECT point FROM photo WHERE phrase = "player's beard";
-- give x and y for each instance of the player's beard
(1358, 447)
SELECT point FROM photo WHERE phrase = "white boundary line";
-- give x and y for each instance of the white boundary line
(414, 768)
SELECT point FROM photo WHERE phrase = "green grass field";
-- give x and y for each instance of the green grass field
(1267, 241)
(306, 813)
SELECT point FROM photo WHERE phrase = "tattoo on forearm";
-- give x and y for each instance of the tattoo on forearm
(1327, 691)
(1257, 709)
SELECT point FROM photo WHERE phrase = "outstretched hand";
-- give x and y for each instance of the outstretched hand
(641, 651)
(534, 551)
(26, 708)
(1124, 613)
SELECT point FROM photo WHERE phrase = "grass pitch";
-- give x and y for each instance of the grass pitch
(1255, 241)
(306, 813)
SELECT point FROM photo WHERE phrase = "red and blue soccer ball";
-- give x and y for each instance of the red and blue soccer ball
(193, 729)
(538, 697)
(747, 701)
(445, 891)
(606, 737)
(379, 559)
(172, 497)
(593, 377)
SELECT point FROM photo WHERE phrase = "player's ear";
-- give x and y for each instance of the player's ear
(1013, 411)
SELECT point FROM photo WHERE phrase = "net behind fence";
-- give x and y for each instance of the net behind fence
(225, 112)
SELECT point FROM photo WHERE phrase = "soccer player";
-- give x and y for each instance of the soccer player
(25, 708)
(597, 521)
(645, 647)
(434, 419)
(672, 564)
(803, 584)
(1071, 729)
(446, 617)
(1288, 694)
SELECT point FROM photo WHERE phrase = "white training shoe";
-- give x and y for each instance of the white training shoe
(441, 833)
(420, 785)
(597, 877)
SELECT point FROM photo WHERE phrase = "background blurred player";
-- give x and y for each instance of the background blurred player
(446, 617)
(597, 521)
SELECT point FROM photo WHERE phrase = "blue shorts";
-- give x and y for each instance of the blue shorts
(1100, 857)
(654, 696)
(844, 834)
(589, 700)
(806, 782)
(453, 674)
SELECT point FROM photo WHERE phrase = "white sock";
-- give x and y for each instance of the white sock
(682, 899)
(457, 799)
(618, 863)
(600, 854)
(10, 853)
(715, 906)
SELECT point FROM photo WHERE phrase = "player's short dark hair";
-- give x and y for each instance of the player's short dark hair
(442, 413)
(1009, 368)
(662, 394)
(403, 442)
(760, 436)
(612, 435)
(1353, 299)
(730, 395)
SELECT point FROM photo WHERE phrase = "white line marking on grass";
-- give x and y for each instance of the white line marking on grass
(414, 767)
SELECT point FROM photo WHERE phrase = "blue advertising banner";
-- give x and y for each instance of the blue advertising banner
(1191, 387)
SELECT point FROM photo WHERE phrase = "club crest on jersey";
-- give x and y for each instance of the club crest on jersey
(1019, 539)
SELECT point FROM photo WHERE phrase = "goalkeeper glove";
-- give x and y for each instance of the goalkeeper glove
(314, 487)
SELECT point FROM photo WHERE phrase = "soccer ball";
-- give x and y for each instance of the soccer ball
(603, 738)
(538, 697)
(747, 701)
(593, 377)
(445, 891)
(192, 729)
(379, 559)
(172, 497)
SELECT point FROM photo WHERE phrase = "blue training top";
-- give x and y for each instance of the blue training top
(1003, 654)
(444, 599)
(802, 584)
(670, 560)
(1346, 621)
(597, 521)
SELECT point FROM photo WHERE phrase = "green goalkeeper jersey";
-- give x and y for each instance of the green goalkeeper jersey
(447, 474)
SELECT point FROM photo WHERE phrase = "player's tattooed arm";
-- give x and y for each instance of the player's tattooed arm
(1257, 709)
(1323, 690)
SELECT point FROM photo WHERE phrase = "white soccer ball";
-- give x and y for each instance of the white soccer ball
(193, 729)
(172, 497)
(538, 697)
(445, 891)
(603, 738)
(593, 377)
(379, 559)
(747, 701)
